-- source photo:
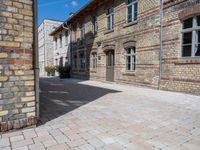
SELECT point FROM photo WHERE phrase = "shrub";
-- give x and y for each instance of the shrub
(50, 70)
(64, 71)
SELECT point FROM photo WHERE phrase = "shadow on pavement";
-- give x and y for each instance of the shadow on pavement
(58, 97)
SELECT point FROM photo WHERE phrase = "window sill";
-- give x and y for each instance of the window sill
(109, 31)
(188, 61)
(129, 73)
(93, 71)
(130, 24)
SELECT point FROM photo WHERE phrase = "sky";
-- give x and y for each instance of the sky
(58, 9)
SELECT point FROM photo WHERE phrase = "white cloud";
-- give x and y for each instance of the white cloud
(74, 3)
(51, 3)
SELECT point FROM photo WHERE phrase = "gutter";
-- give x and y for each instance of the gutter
(161, 45)
(35, 54)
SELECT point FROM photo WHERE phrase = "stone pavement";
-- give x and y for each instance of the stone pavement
(88, 115)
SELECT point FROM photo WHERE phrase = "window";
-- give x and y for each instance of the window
(61, 61)
(82, 61)
(95, 25)
(82, 31)
(66, 37)
(74, 34)
(132, 10)
(94, 60)
(56, 43)
(110, 18)
(191, 37)
(60, 40)
(75, 61)
(130, 59)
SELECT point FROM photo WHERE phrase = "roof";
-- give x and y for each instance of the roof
(58, 29)
(85, 9)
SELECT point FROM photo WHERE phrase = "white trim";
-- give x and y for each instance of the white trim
(195, 28)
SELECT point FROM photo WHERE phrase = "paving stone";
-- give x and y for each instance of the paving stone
(4, 142)
(59, 147)
(22, 148)
(120, 117)
(16, 138)
(49, 143)
(86, 147)
(37, 146)
(21, 143)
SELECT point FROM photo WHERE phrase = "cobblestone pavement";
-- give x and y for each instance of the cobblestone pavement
(87, 115)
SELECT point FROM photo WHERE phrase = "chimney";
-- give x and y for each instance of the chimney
(71, 14)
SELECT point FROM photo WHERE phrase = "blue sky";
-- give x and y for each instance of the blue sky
(58, 9)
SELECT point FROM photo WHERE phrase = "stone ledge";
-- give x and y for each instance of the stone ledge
(17, 124)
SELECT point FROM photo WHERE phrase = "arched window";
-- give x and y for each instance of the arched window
(130, 59)
(191, 37)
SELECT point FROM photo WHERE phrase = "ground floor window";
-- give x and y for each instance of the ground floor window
(61, 61)
(130, 59)
(82, 60)
(94, 60)
(191, 37)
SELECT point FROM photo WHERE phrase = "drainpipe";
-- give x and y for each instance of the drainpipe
(161, 45)
(35, 54)
(70, 41)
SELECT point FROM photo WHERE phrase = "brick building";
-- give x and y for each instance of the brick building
(45, 44)
(18, 64)
(61, 46)
(129, 42)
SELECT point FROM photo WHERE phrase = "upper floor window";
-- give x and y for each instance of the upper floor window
(60, 40)
(82, 31)
(130, 59)
(66, 37)
(132, 10)
(74, 34)
(61, 61)
(191, 37)
(94, 60)
(56, 42)
(110, 18)
(95, 25)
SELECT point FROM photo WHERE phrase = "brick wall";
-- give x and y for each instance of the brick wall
(17, 93)
(178, 74)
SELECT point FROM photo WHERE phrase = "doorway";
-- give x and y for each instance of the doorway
(110, 62)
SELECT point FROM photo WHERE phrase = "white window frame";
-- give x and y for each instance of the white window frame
(66, 37)
(82, 31)
(95, 24)
(56, 43)
(94, 60)
(82, 60)
(132, 55)
(110, 18)
(61, 40)
(133, 10)
(195, 28)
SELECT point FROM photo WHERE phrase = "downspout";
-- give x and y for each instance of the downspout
(70, 41)
(161, 45)
(66, 28)
(35, 54)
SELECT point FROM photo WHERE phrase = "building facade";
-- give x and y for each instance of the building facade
(18, 64)
(45, 44)
(61, 37)
(129, 42)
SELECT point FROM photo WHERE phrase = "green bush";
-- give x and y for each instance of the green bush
(64, 71)
(50, 70)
